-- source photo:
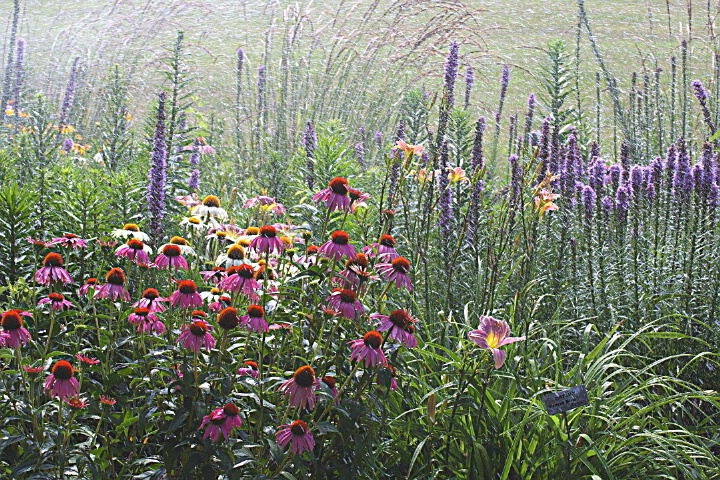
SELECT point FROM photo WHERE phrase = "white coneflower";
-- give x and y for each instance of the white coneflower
(130, 230)
(210, 207)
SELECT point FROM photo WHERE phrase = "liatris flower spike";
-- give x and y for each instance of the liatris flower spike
(493, 334)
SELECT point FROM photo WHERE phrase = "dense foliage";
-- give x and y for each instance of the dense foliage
(317, 302)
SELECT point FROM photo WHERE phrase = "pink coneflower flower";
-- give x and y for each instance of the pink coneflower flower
(134, 250)
(85, 360)
(228, 318)
(106, 243)
(57, 302)
(38, 242)
(12, 326)
(151, 300)
(222, 419)
(357, 198)
(254, 320)
(399, 323)
(62, 382)
(384, 249)
(68, 240)
(186, 295)
(146, 321)
(241, 279)
(298, 435)
(356, 273)
(301, 388)
(78, 403)
(52, 270)
(397, 271)
(332, 385)
(33, 370)
(171, 257)
(196, 335)
(337, 246)
(369, 349)
(198, 315)
(215, 275)
(267, 241)
(345, 301)
(222, 302)
(280, 326)
(250, 369)
(89, 283)
(310, 257)
(335, 195)
(114, 287)
(109, 401)
(385, 370)
(493, 334)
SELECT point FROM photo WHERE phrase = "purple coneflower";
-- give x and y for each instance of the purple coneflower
(85, 360)
(186, 296)
(228, 318)
(197, 335)
(89, 283)
(146, 321)
(397, 271)
(301, 388)
(254, 319)
(241, 279)
(69, 240)
(221, 420)
(298, 435)
(338, 246)
(332, 385)
(384, 249)
(336, 195)
(250, 369)
(215, 275)
(267, 241)
(52, 270)
(151, 300)
(493, 334)
(114, 287)
(62, 382)
(400, 325)
(171, 257)
(135, 250)
(345, 301)
(368, 348)
(57, 302)
(12, 326)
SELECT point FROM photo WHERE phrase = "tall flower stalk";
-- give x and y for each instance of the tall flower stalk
(157, 174)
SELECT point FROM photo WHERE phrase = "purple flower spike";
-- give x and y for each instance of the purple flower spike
(469, 81)
(158, 164)
(588, 197)
(451, 71)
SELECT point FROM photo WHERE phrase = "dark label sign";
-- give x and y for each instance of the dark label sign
(565, 400)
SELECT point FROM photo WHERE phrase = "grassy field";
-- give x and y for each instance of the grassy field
(632, 34)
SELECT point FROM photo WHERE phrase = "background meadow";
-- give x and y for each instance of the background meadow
(343, 206)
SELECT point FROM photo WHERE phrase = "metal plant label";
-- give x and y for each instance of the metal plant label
(565, 400)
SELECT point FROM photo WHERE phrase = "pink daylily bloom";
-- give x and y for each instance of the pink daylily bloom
(493, 334)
